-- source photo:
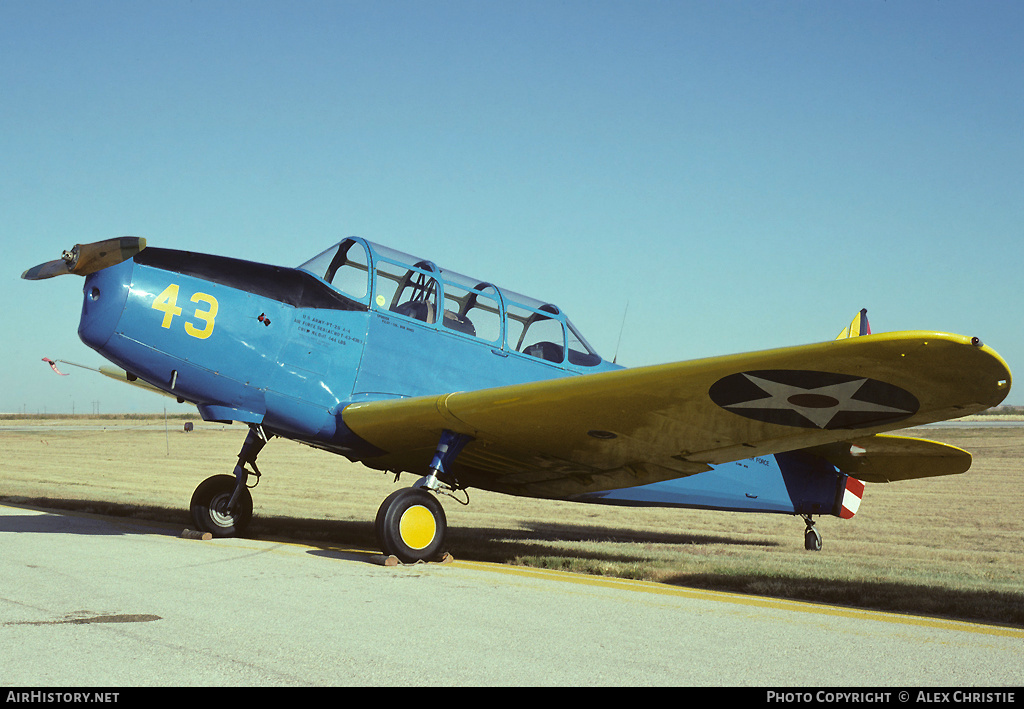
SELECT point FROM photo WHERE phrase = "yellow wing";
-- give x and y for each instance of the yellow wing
(636, 426)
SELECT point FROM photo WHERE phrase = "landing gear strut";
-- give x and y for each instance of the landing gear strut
(812, 537)
(222, 504)
(411, 523)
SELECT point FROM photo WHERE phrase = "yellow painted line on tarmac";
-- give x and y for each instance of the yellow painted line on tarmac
(745, 600)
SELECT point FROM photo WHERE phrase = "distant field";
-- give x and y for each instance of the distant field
(951, 547)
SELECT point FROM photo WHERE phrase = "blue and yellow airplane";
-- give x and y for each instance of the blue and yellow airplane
(393, 362)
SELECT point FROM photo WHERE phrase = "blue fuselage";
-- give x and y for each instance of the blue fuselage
(289, 349)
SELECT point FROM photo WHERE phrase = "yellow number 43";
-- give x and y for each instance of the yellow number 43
(167, 303)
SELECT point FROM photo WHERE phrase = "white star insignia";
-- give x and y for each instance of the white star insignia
(818, 405)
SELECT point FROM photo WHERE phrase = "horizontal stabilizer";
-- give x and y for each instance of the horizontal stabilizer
(883, 459)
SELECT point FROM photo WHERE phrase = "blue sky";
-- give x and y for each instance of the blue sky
(745, 175)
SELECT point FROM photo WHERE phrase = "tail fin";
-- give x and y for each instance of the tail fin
(849, 503)
(857, 327)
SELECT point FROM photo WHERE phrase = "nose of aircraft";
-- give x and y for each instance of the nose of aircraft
(107, 266)
(105, 294)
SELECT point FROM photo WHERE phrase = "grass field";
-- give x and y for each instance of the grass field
(950, 547)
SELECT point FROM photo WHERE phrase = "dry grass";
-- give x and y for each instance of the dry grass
(950, 547)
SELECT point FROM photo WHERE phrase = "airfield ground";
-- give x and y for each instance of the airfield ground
(950, 547)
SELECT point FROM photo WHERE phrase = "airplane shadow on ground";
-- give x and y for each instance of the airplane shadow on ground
(82, 517)
(471, 543)
(972, 605)
(355, 541)
(344, 539)
(496, 544)
(502, 545)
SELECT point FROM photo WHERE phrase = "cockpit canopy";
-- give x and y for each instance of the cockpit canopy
(390, 281)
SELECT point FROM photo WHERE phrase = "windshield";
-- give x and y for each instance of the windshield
(345, 266)
(418, 289)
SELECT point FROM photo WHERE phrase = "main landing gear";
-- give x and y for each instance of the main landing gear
(411, 524)
(222, 504)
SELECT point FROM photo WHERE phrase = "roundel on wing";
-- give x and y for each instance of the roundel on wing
(809, 399)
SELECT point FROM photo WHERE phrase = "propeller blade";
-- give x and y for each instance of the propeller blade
(46, 270)
(103, 254)
(84, 259)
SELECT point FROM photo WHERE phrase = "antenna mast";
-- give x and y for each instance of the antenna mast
(621, 328)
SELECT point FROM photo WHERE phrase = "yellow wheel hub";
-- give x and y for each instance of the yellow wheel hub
(417, 527)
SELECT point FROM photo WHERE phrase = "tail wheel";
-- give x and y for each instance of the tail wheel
(209, 507)
(411, 525)
(812, 539)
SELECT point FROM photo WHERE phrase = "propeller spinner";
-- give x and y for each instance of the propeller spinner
(84, 259)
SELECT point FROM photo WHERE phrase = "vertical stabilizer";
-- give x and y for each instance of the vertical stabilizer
(857, 327)
(853, 493)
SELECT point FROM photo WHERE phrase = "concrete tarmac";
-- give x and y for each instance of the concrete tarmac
(89, 601)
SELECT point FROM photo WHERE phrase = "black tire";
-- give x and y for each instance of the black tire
(209, 507)
(411, 525)
(812, 539)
